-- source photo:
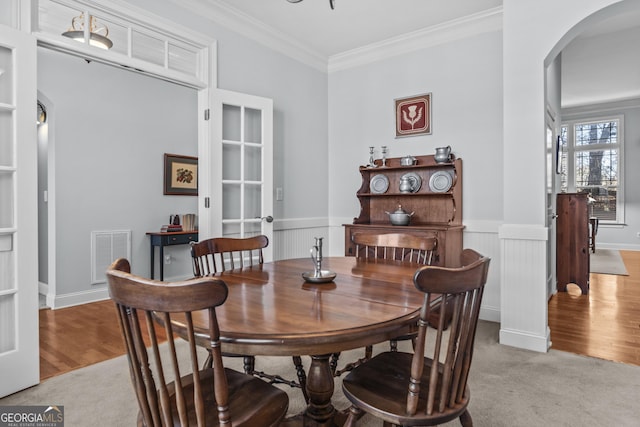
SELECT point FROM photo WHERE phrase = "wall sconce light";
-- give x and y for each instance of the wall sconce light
(77, 30)
(42, 114)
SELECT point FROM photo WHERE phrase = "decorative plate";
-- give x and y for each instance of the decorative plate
(379, 184)
(440, 182)
(414, 180)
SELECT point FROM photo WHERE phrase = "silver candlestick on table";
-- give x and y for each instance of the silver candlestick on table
(317, 257)
(318, 275)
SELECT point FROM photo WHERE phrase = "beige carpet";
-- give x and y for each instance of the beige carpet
(509, 387)
(607, 261)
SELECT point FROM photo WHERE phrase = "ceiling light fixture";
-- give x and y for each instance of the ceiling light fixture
(298, 1)
(77, 30)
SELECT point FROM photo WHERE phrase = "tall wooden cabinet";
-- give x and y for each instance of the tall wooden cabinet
(437, 204)
(572, 241)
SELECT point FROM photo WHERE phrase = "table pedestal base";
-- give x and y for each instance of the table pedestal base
(320, 412)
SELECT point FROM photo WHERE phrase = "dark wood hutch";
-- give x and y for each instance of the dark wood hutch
(436, 212)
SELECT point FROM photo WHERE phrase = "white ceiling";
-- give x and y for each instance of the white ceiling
(353, 23)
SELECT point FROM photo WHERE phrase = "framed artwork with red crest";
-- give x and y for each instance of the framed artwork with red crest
(413, 115)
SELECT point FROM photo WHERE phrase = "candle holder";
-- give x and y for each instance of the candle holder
(384, 156)
(372, 161)
(318, 275)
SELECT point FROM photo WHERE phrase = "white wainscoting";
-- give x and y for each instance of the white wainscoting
(523, 317)
(482, 236)
(293, 238)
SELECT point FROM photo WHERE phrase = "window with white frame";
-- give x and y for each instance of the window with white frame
(591, 163)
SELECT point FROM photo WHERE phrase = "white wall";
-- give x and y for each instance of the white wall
(602, 68)
(112, 128)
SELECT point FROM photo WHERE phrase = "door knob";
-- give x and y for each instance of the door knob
(267, 218)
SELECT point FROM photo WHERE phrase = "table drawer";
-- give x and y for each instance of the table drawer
(180, 239)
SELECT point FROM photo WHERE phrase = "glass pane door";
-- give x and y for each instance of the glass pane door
(243, 197)
(19, 357)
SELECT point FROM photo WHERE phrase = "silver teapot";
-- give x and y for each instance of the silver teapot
(408, 161)
(399, 216)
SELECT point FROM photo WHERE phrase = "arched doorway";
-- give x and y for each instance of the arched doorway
(603, 95)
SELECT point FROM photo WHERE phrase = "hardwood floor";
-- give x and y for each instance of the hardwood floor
(604, 324)
(75, 337)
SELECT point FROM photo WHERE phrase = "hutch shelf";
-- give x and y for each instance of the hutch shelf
(435, 200)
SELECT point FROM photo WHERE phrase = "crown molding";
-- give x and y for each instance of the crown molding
(256, 30)
(239, 22)
(483, 22)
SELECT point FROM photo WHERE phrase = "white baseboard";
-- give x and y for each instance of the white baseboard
(77, 298)
(527, 341)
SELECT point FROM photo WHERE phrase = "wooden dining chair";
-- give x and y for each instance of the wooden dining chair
(398, 246)
(429, 386)
(225, 253)
(170, 387)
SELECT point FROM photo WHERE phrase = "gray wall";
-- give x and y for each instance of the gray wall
(465, 79)
(112, 128)
(299, 95)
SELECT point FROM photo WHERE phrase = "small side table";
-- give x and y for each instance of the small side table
(161, 240)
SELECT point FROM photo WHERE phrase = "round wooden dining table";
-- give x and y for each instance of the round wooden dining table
(271, 310)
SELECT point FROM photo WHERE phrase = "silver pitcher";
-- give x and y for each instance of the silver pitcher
(405, 185)
(443, 154)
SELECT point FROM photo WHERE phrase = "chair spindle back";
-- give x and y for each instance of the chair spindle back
(450, 352)
(226, 253)
(399, 246)
(145, 311)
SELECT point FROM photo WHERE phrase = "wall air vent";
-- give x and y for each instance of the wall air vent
(106, 247)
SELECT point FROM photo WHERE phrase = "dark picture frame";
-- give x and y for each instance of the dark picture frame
(180, 175)
(413, 115)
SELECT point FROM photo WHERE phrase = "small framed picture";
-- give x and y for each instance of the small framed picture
(180, 175)
(413, 115)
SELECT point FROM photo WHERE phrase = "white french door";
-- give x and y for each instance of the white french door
(241, 166)
(19, 349)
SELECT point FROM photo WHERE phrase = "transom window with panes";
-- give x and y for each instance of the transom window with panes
(591, 163)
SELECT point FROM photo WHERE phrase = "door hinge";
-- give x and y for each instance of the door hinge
(206, 202)
(207, 114)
